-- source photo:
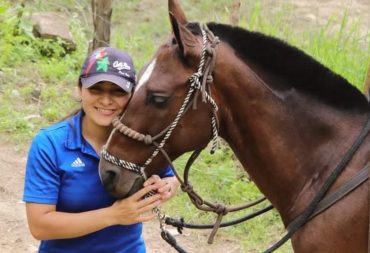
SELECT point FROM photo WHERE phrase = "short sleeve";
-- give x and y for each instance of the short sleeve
(167, 172)
(42, 179)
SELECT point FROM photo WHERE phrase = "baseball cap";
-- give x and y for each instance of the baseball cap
(108, 64)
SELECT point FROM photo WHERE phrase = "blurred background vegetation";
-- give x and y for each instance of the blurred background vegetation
(38, 78)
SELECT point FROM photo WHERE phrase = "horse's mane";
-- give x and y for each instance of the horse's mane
(300, 70)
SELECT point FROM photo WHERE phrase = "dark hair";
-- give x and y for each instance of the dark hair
(75, 111)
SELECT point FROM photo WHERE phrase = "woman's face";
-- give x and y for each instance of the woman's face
(103, 101)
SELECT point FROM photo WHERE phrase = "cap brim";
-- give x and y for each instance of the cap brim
(125, 84)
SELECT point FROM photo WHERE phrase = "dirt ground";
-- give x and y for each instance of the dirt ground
(14, 235)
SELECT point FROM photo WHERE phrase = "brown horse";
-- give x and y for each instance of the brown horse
(288, 119)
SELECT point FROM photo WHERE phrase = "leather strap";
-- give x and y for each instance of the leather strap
(342, 191)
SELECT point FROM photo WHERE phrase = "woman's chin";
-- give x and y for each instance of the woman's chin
(106, 122)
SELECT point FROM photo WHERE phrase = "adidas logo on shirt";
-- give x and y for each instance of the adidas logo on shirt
(78, 163)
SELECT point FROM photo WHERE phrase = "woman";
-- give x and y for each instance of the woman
(67, 206)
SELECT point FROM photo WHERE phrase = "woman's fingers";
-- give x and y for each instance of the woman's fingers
(152, 200)
(145, 207)
(138, 207)
(152, 180)
(165, 188)
(142, 192)
(148, 200)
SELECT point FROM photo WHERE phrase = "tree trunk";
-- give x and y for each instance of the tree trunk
(102, 12)
(235, 12)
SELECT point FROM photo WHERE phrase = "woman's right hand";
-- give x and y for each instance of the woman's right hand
(46, 223)
(136, 208)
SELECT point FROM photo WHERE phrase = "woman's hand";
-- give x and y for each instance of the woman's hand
(46, 223)
(166, 187)
(136, 208)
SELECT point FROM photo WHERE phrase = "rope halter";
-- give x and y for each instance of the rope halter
(198, 84)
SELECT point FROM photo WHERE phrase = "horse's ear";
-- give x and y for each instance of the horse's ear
(176, 32)
(185, 39)
(175, 9)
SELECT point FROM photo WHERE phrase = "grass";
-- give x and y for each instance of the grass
(37, 80)
(37, 76)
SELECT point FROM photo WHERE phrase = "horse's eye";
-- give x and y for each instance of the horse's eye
(157, 99)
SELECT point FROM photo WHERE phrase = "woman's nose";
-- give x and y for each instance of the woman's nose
(106, 99)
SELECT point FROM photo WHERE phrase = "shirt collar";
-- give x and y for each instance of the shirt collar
(75, 139)
(74, 134)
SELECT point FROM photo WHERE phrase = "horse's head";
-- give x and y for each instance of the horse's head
(165, 110)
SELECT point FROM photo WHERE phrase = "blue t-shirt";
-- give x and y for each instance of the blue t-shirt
(62, 170)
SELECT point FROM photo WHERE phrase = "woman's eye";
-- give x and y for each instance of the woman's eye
(119, 93)
(94, 90)
(158, 100)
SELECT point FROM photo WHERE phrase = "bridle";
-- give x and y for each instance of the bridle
(198, 84)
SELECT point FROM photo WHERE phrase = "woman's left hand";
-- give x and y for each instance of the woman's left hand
(166, 187)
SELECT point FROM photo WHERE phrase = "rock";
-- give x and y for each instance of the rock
(14, 93)
(52, 25)
(310, 17)
(35, 94)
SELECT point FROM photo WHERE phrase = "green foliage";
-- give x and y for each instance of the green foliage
(37, 75)
(343, 50)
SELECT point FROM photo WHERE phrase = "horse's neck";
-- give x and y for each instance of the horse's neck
(286, 144)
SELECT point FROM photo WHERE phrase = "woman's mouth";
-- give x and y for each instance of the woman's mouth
(106, 112)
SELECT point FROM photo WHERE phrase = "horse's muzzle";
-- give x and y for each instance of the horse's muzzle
(119, 182)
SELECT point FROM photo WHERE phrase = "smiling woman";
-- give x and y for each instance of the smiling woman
(67, 205)
(102, 102)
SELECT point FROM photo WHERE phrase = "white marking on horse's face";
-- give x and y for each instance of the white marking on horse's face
(145, 77)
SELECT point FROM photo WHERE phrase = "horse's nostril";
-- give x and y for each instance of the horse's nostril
(110, 177)
(138, 184)
(111, 173)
